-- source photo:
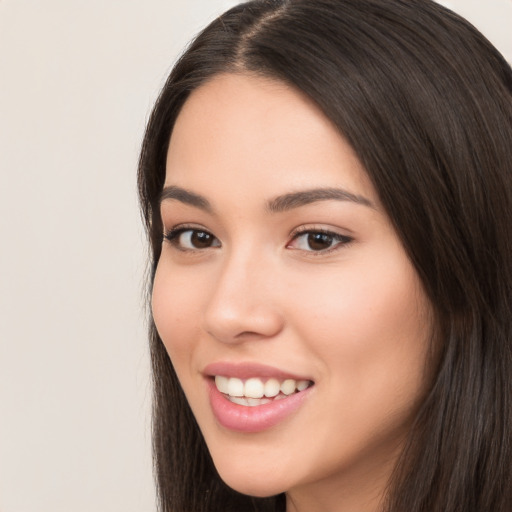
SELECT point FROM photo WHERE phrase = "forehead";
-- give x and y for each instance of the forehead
(245, 130)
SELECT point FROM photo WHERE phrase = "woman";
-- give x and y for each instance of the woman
(327, 190)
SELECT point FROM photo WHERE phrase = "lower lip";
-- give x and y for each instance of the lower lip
(242, 418)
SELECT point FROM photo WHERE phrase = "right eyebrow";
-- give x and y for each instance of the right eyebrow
(175, 193)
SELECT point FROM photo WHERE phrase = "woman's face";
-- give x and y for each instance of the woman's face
(281, 275)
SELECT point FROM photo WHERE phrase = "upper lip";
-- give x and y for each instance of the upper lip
(246, 370)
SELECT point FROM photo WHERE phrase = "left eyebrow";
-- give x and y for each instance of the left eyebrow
(293, 200)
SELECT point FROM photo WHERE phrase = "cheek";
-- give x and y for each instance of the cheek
(175, 305)
(370, 332)
(369, 325)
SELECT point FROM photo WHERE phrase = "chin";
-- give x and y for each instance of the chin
(258, 484)
(253, 489)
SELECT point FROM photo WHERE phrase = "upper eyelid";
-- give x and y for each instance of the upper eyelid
(333, 234)
(184, 226)
(321, 229)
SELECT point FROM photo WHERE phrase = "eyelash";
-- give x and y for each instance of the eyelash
(173, 235)
(338, 240)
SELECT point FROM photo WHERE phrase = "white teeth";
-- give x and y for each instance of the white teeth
(249, 402)
(254, 389)
(253, 402)
(272, 387)
(302, 385)
(235, 387)
(288, 386)
(222, 384)
(238, 400)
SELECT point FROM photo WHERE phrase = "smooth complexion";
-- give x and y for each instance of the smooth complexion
(248, 276)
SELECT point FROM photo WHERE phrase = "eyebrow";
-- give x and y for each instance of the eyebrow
(302, 198)
(185, 196)
(278, 204)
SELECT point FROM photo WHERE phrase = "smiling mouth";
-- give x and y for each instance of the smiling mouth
(256, 391)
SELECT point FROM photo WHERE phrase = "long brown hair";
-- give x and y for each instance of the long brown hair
(426, 102)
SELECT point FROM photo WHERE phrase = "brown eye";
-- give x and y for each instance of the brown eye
(192, 239)
(201, 239)
(318, 241)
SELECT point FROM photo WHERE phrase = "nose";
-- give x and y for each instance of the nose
(243, 305)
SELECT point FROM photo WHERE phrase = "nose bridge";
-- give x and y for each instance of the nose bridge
(243, 302)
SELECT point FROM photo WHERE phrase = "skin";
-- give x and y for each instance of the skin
(352, 317)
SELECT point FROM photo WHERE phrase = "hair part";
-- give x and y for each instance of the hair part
(426, 102)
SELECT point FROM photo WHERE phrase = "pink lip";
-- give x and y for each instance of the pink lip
(245, 419)
(248, 370)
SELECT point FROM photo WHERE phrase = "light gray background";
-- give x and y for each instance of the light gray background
(77, 81)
